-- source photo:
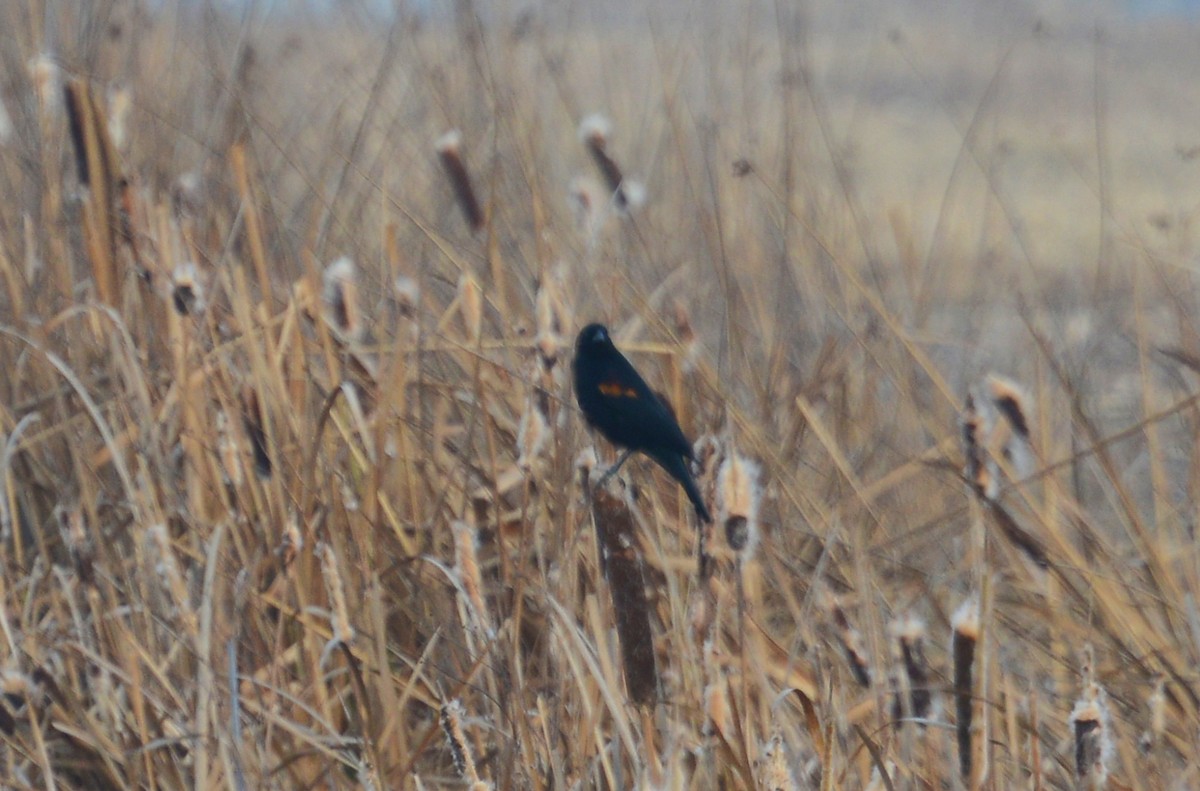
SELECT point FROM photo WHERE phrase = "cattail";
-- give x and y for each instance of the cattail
(46, 77)
(292, 543)
(187, 194)
(469, 576)
(995, 426)
(16, 692)
(252, 422)
(1092, 729)
(594, 131)
(470, 306)
(549, 338)
(738, 494)
(167, 569)
(687, 338)
(449, 150)
(979, 469)
(775, 772)
(228, 452)
(965, 623)
(852, 643)
(877, 782)
(1157, 703)
(1011, 401)
(341, 300)
(533, 431)
(408, 295)
(586, 205)
(716, 709)
(119, 102)
(187, 293)
(335, 590)
(74, 532)
(910, 638)
(622, 566)
(460, 751)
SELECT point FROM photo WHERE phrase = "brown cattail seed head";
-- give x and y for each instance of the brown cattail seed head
(909, 633)
(852, 643)
(965, 623)
(687, 338)
(187, 293)
(594, 132)
(449, 150)
(460, 748)
(1091, 728)
(408, 295)
(341, 300)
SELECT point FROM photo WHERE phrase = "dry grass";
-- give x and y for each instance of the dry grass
(295, 494)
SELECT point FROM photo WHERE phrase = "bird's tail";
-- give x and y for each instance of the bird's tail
(677, 466)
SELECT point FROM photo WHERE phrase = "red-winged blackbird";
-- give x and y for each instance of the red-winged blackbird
(618, 403)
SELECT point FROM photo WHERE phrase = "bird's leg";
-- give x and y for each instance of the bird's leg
(611, 471)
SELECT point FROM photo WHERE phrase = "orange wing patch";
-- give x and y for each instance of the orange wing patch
(617, 390)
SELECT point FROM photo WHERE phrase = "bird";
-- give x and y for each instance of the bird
(617, 402)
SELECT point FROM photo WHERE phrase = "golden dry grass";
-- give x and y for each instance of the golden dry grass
(272, 521)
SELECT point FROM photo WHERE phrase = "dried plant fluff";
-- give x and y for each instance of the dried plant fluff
(187, 292)
(120, 101)
(996, 434)
(1091, 727)
(738, 495)
(47, 79)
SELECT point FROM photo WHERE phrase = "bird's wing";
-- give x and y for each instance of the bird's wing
(635, 411)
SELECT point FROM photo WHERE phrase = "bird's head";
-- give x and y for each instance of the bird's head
(593, 338)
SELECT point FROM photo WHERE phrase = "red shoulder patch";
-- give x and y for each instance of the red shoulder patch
(617, 390)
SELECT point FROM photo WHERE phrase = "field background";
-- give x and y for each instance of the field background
(326, 528)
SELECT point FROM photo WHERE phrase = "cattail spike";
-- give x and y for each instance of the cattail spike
(965, 623)
(738, 494)
(449, 150)
(594, 131)
(341, 300)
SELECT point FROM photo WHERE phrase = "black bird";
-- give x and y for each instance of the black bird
(618, 403)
